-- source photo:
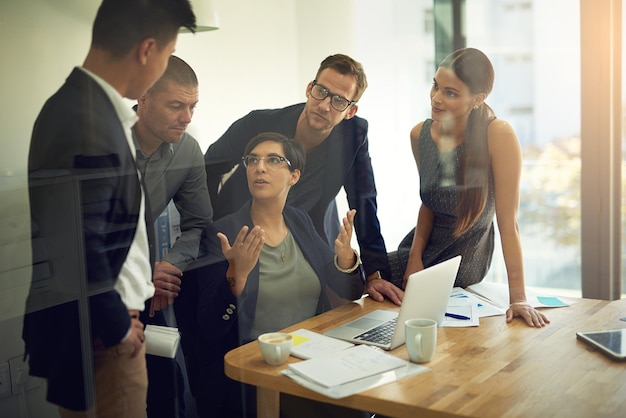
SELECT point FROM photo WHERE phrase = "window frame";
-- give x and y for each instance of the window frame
(601, 110)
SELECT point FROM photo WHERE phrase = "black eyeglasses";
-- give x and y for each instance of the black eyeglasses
(272, 162)
(339, 103)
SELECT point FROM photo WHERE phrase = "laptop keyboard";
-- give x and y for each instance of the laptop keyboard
(381, 334)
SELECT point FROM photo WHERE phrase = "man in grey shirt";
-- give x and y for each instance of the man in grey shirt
(172, 166)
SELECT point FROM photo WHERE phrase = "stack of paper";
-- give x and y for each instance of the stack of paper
(346, 366)
(466, 306)
(161, 341)
(350, 371)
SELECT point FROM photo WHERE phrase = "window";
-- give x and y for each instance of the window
(537, 90)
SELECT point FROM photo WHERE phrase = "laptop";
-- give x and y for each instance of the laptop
(426, 296)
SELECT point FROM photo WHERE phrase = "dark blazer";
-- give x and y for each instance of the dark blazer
(224, 322)
(85, 199)
(349, 166)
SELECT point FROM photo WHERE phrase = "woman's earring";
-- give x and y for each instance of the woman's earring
(475, 107)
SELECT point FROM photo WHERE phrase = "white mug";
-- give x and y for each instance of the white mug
(275, 347)
(421, 339)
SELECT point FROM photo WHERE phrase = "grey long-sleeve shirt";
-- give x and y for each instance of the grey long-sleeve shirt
(176, 171)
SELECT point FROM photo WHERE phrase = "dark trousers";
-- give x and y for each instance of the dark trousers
(166, 388)
(166, 384)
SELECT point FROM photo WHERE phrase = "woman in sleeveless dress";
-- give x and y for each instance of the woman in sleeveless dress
(470, 166)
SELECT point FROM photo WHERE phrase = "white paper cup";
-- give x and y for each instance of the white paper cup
(275, 347)
(421, 339)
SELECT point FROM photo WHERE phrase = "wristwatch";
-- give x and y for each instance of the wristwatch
(375, 275)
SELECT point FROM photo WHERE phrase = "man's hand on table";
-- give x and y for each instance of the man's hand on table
(379, 288)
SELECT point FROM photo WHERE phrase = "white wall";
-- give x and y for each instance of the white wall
(40, 42)
(264, 54)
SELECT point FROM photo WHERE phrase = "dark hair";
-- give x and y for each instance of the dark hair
(178, 72)
(474, 69)
(292, 149)
(346, 65)
(122, 24)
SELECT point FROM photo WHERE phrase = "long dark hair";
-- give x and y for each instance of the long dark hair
(474, 69)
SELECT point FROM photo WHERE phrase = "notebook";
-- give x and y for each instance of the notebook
(426, 296)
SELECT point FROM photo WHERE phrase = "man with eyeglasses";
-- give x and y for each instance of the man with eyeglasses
(336, 144)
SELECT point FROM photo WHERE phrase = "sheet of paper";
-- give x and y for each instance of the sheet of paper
(483, 307)
(457, 311)
(346, 366)
(551, 302)
(498, 293)
(308, 344)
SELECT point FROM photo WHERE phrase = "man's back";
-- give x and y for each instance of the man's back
(89, 169)
(81, 140)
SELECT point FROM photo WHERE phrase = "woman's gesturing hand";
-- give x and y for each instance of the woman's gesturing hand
(244, 253)
(343, 248)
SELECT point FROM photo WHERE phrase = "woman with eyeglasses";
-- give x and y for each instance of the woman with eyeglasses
(470, 166)
(275, 271)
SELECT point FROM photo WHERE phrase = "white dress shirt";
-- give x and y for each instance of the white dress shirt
(134, 283)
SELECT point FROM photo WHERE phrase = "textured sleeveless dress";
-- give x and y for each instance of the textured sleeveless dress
(439, 191)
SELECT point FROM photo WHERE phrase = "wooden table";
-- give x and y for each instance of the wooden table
(494, 370)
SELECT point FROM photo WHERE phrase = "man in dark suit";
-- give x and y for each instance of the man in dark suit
(91, 258)
(336, 144)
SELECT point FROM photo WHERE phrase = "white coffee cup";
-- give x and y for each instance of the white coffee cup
(421, 339)
(275, 347)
